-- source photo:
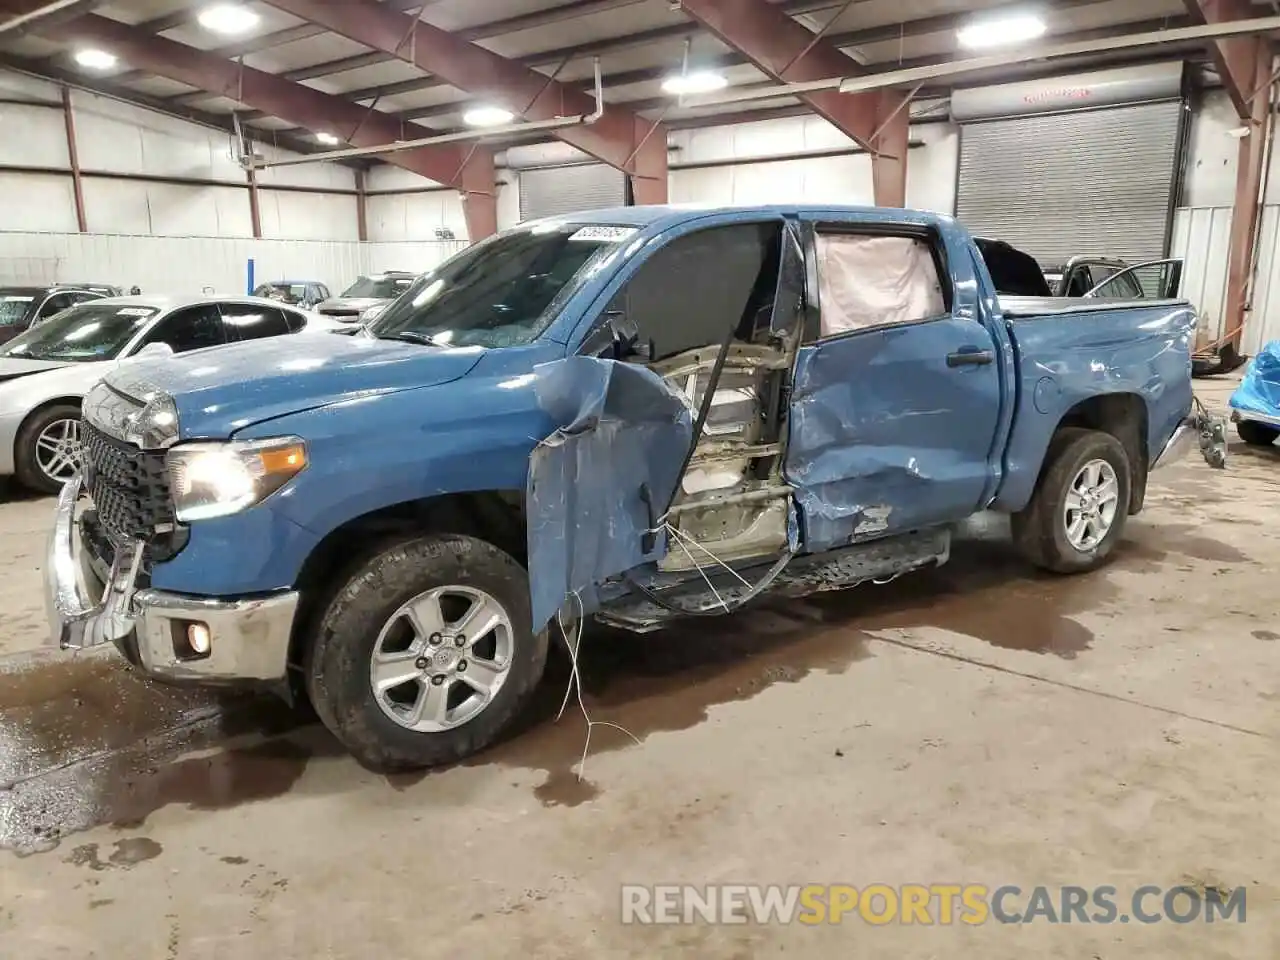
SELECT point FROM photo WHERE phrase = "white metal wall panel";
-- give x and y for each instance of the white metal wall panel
(417, 256)
(37, 201)
(415, 216)
(175, 264)
(287, 214)
(1097, 182)
(552, 191)
(34, 137)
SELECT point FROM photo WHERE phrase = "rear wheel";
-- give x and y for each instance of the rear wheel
(1080, 505)
(1257, 434)
(48, 448)
(426, 654)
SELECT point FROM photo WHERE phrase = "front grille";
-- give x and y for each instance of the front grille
(130, 491)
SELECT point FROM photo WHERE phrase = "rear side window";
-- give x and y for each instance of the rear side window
(190, 329)
(251, 321)
(869, 280)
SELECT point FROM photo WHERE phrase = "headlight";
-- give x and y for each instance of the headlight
(219, 479)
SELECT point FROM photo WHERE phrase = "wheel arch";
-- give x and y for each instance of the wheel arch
(496, 516)
(1125, 417)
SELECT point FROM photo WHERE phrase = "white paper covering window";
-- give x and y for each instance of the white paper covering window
(869, 281)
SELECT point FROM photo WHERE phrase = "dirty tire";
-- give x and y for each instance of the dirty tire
(338, 661)
(1257, 434)
(1039, 530)
(26, 468)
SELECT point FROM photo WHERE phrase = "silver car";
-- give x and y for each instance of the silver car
(46, 371)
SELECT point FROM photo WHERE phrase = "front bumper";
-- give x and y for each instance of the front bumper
(1270, 419)
(1199, 428)
(249, 638)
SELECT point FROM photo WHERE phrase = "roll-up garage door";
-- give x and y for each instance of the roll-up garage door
(1100, 181)
(553, 191)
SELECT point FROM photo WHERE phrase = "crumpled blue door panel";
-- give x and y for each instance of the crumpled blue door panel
(596, 484)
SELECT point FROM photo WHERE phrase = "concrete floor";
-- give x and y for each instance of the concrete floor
(978, 724)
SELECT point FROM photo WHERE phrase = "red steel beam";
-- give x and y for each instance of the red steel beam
(619, 138)
(1244, 65)
(787, 51)
(455, 165)
(73, 158)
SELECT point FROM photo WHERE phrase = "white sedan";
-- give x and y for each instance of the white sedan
(46, 371)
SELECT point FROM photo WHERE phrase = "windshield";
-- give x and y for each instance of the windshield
(378, 288)
(498, 293)
(90, 331)
(13, 308)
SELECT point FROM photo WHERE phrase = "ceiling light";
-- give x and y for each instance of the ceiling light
(1000, 31)
(700, 81)
(95, 59)
(487, 117)
(326, 138)
(228, 18)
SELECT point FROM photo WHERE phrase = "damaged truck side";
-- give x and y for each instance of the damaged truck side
(633, 414)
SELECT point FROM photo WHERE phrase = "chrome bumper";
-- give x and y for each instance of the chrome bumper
(1200, 428)
(1269, 419)
(249, 638)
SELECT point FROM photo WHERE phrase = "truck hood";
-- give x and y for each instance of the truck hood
(224, 389)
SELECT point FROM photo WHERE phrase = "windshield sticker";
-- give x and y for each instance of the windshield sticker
(601, 233)
(16, 299)
(135, 311)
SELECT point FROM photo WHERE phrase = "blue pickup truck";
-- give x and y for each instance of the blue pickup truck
(634, 415)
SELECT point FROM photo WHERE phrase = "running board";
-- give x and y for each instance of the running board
(804, 575)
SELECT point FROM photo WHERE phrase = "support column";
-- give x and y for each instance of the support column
(480, 195)
(1244, 213)
(889, 149)
(649, 165)
(362, 208)
(255, 211)
(73, 156)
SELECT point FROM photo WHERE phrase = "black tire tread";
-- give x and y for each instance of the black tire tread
(336, 661)
(1035, 527)
(1257, 434)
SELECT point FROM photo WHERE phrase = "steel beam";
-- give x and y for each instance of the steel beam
(1233, 56)
(787, 51)
(311, 109)
(73, 158)
(617, 138)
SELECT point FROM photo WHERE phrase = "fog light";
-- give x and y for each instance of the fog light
(198, 638)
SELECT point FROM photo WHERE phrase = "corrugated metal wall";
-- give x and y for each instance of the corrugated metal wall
(1200, 237)
(189, 264)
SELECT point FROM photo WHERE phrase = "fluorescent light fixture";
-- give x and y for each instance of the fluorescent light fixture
(700, 81)
(228, 18)
(95, 59)
(487, 117)
(328, 139)
(987, 32)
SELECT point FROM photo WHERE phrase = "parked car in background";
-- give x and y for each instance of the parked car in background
(45, 371)
(1255, 404)
(21, 306)
(298, 293)
(578, 416)
(367, 292)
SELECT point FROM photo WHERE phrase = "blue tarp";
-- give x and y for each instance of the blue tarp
(621, 429)
(1259, 391)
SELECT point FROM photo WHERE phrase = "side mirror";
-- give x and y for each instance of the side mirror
(626, 338)
(153, 350)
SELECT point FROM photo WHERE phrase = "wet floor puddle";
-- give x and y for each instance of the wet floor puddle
(85, 742)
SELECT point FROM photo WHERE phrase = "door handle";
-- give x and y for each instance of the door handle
(970, 357)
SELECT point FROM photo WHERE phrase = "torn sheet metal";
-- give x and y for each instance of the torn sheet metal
(622, 433)
(1259, 391)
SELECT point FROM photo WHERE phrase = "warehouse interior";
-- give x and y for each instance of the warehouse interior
(983, 726)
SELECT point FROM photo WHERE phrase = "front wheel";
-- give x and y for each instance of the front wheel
(48, 448)
(1257, 434)
(426, 654)
(1080, 505)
